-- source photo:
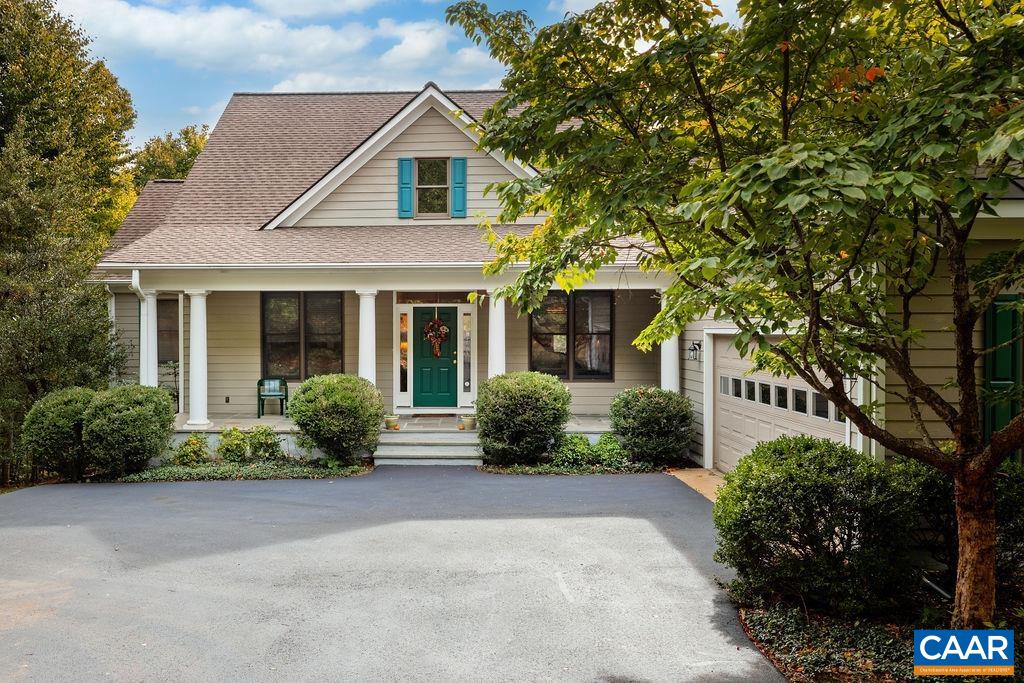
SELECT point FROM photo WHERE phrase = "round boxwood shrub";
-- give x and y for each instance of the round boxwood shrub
(51, 433)
(816, 523)
(232, 445)
(126, 427)
(520, 415)
(656, 425)
(339, 414)
(610, 452)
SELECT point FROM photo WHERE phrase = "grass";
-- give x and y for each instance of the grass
(226, 471)
(548, 468)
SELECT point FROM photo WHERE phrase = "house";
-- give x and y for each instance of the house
(324, 232)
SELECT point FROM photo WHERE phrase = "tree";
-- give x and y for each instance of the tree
(63, 126)
(813, 175)
(169, 156)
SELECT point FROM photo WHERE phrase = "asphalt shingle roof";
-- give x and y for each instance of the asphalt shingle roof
(266, 150)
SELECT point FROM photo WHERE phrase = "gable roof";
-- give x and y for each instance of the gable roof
(430, 98)
(265, 151)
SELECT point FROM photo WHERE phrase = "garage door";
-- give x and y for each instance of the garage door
(759, 407)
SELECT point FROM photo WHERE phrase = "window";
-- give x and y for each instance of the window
(167, 331)
(765, 393)
(585, 318)
(782, 397)
(302, 334)
(800, 401)
(820, 405)
(432, 187)
(403, 352)
(737, 388)
(723, 385)
(750, 387)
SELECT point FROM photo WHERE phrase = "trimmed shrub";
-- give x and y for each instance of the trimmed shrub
(339, 414)
(126, 427)
(51, 434)
(194, 450)
(610, 452)
(574, 451)
(233, 445)
(264, 443)
(656, 425)
(520, 416)
(817, 523)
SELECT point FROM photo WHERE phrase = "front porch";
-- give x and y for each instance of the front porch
(224, 331)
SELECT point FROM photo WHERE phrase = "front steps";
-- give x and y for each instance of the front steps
(427, 447)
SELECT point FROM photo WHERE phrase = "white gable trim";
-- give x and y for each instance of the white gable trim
(430, 98)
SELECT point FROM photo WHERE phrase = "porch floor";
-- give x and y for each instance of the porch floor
(588, 424)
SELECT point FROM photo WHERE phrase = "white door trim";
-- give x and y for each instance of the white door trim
(403, 403)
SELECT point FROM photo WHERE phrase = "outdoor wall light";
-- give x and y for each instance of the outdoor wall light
(693, 352)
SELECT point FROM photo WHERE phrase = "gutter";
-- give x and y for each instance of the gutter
(135, 286)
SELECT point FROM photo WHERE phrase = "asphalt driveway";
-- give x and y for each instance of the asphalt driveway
(414, 573)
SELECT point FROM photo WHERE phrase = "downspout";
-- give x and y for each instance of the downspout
(136, 287)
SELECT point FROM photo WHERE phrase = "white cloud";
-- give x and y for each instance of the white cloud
(221, 36)
(418, 42)
(420, 54)
(313, 8)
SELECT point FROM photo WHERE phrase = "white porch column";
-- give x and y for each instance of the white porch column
(368, 334)
(495, 335)
(669, 360)
(197, 375)
(149, 374)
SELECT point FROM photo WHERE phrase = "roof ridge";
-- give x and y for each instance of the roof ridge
(253, 93)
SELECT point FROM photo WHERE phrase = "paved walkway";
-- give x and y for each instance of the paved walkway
(419, 573)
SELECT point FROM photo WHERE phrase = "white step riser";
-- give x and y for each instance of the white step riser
(436, 450)
(428, 437)
(471, 462)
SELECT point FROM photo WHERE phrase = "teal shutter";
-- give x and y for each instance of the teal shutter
(458, 187)
(1002, 366)
(405, 204)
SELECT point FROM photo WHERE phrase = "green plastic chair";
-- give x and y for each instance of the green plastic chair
(271, 388)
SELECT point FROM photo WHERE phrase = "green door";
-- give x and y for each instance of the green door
(435, 378)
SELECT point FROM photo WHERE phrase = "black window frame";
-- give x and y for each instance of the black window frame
(303, 369)
(571, 334)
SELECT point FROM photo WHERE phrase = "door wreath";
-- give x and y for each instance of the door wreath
(436, 332)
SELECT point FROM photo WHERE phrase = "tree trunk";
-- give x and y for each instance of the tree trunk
(975, 599)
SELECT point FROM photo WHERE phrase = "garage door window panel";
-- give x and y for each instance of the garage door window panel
(800, 401)
(782, 397)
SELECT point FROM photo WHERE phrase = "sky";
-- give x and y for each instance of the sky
(182, 59)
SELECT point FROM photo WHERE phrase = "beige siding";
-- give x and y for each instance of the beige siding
(233, 346)
(370, 195)
(126, 322)
(933, 358)
(634, 310)
(235, 362)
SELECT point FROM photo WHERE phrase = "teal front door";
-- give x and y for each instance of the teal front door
(435, 377)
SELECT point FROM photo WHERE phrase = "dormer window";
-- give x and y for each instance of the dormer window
(432, 188)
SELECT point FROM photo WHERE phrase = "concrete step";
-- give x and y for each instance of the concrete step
(433, 450)
(423, 437)
(470, 462)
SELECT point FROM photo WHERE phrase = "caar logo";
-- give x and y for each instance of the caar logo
(963, 653)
